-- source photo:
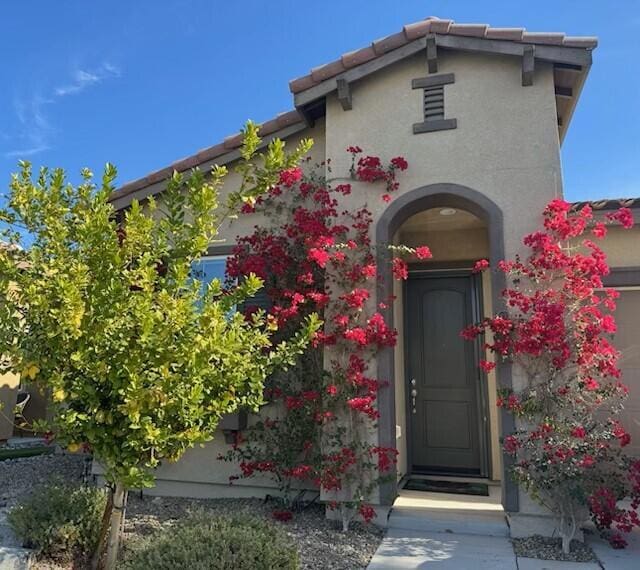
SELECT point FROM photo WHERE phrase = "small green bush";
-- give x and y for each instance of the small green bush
(60, 521)
(206, 542)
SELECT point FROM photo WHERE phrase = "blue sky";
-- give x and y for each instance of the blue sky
(142, 84)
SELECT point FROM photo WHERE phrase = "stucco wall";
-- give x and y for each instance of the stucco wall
(505, 146)
(622, 247)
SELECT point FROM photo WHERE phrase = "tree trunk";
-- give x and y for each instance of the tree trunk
(568, 528)
(115, 526)
(104, 531)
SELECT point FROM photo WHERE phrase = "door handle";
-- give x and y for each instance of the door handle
(414, 394)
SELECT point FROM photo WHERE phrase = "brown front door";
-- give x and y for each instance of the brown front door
(444, 388)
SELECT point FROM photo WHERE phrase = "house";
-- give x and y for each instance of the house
(480, 114)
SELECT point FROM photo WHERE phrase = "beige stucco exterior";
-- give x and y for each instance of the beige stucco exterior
(505, 147)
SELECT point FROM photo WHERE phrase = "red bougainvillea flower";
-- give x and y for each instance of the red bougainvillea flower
(423, 252)
(591, 384)
(367, 512)
(487, 366)
(400, 268)
(579, 432)
(587, 461)
(370, 169)
(623, 216)
(599, 230)
(354, 150)
(480, 265)
(400, 163)
(511, 444)
(282, 515)
(386, 198)
(356, 298)
(320, 256)
(289, 177)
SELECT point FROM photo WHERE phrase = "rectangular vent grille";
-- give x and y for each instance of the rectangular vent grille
(434, 103)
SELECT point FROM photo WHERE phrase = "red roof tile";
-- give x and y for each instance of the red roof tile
(230, 143)
(434, 25)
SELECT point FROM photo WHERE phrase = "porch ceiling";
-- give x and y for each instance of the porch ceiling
(433, 221)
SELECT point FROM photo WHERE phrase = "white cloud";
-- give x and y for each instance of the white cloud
(34, 126)
(35, 130)
(83, 78)
(21, 153)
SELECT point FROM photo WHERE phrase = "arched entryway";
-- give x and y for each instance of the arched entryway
(405, 207)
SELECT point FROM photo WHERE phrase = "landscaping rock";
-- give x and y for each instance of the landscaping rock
(20, 476)
(546, 548)
(321, 542)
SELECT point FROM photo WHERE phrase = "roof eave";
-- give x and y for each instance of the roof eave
(155, 184)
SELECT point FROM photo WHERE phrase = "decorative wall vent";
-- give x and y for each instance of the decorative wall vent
(433, 104)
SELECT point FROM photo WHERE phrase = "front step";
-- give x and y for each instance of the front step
(480, 522)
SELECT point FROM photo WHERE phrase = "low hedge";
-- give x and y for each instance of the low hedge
(207, 542)
(59, 521)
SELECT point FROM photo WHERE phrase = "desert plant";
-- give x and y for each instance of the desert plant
(201, 542)
(60, 521)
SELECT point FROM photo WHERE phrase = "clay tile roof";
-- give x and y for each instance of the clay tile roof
(230, 143)
(608, 204)
(347, 61)
(433, 25)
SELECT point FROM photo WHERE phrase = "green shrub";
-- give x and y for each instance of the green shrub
(59, 521)
(206, 542)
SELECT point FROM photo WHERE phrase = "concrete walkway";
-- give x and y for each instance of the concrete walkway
(404, 549)
(625, 559)
(12, 557)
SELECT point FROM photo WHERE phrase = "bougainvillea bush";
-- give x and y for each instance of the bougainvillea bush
(316, 255)
(568, 446)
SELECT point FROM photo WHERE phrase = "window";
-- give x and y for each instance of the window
(211, 267)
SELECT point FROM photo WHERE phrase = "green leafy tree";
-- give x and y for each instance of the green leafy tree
(141, 360)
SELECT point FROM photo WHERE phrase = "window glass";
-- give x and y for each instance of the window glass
(206, 269)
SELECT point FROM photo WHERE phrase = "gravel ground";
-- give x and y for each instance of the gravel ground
(321, 543)
(19, 476)
(546, 548)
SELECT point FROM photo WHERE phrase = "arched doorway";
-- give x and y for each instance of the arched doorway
(411, 205)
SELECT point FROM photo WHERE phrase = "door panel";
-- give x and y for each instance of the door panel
(442, 369)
